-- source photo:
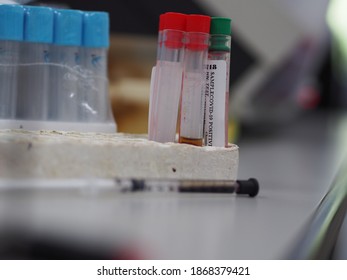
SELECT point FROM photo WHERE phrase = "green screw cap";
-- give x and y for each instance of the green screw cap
(220, 34)
(220, 26)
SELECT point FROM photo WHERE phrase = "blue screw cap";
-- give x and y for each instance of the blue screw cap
(11, 22)
(38, 24)
(96, 30)
(68, 27)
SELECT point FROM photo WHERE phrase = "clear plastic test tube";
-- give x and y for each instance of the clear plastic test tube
(192, 99)
(160, 34)
(11, 36)
(217, 83)
(153, 79)
(168, 79)
(34, 87)
(94, 96)
(66, 65)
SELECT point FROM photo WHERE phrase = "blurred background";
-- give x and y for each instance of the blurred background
(285, 58)
(288, 96)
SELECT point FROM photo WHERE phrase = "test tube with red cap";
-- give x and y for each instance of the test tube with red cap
(166, 87)
(192, 99)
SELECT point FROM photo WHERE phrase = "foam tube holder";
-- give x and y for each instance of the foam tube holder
(70, 155)
(104, 127)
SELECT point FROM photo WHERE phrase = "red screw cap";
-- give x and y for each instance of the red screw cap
(175, 21)
(198, 23)
(161, 22)
(175, 24)
(198, 30)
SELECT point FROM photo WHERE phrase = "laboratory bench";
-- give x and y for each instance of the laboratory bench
(295, 165)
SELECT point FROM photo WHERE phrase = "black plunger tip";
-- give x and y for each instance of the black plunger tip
(250, 187)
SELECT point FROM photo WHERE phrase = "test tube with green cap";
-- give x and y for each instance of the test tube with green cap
(217, 83)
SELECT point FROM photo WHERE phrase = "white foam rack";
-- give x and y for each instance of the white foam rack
(105, 127)
(54, 154)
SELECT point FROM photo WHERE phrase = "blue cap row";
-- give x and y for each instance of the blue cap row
(56, 26)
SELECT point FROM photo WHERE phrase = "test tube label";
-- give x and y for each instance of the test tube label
(192, 115)
(215, 94)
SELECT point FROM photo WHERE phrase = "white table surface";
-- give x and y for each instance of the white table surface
(295, 167)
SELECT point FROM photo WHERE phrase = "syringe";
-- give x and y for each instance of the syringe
(125, 185)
